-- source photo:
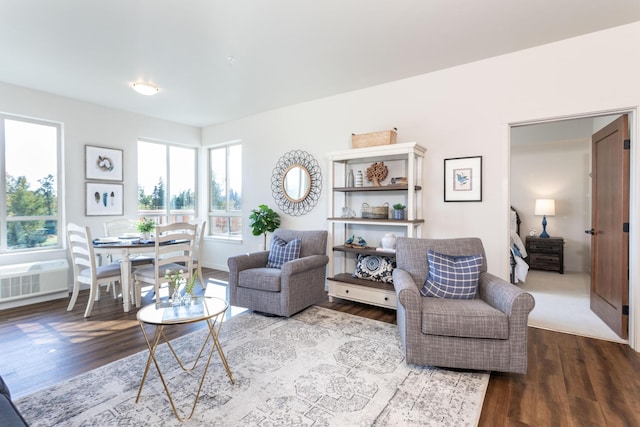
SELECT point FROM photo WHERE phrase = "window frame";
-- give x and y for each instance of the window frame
(169, 215)
(5, 218)
(213, 213)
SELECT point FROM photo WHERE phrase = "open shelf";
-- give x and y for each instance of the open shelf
(390, 187)
(368, 250)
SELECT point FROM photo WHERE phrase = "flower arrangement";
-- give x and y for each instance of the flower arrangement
(146, 225)
(174, 278)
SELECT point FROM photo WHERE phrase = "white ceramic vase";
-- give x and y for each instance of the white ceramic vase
(388, 241)
(359, 179)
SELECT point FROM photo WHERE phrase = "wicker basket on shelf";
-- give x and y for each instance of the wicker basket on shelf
(373, 139)
(375, 212)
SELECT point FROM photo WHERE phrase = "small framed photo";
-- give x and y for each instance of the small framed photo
(104, 199)
(463, 179)
(103, 163)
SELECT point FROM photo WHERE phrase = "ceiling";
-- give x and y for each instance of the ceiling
(284, 51)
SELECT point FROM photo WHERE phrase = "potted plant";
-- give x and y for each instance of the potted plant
(398, 211)
(262, 220)
(146, 226)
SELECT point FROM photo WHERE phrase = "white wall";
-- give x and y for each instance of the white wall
(91, 124)
(462, 111)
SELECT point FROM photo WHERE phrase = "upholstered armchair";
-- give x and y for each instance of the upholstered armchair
(284, 291)
(486, 332)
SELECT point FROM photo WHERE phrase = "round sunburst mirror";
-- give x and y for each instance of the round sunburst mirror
(296, 183)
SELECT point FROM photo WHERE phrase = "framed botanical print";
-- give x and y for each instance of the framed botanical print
(463, 179)
(104, 199)
(103, 163)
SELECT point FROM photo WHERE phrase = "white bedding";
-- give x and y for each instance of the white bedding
(518, 251)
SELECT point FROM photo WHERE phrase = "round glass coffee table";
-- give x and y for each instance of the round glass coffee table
(163, 314)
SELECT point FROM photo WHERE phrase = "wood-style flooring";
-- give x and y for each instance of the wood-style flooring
(571, 381)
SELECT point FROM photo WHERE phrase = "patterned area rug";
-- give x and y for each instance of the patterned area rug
(319, 368)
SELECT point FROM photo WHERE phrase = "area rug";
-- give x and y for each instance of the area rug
(319, 368)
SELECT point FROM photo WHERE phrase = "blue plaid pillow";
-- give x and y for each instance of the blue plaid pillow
(454, 277)
(283, 251)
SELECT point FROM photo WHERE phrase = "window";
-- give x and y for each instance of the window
(225, 191)
(166, 182)
(31, 188)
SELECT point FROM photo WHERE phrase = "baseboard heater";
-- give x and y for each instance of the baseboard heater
(28, 283)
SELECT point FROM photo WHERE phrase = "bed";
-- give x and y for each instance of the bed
(517, 251)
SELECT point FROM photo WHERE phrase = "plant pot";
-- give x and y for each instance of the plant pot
(398, 214)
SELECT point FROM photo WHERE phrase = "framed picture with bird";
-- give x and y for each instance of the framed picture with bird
(463, 179)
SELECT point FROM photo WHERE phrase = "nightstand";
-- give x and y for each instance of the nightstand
(546, 253)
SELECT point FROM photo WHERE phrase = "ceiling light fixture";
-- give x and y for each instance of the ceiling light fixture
(145, 88)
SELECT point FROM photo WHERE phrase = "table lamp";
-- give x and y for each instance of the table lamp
(545, 207)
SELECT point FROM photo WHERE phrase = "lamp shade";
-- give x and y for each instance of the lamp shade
(545, 207)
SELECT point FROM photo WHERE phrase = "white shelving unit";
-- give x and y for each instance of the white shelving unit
(402, 160)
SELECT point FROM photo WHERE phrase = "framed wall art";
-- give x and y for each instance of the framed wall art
(463, 179)
(104, 199)
(103, 163)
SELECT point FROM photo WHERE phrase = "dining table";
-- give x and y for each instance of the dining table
(124, 247)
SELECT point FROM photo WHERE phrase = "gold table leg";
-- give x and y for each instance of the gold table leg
(153, 346)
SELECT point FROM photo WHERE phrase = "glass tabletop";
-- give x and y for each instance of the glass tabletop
(164, 313)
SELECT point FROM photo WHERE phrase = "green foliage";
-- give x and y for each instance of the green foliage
(191, 283)
(146, 225)
(399, 206)
(263, 220)
(156, 200)
(24, 202)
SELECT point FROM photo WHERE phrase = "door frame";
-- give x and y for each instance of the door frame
(634, 200)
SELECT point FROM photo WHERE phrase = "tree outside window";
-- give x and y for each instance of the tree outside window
(166, 182)
(30, 214)
(225, 191)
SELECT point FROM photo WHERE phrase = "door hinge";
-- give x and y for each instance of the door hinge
(625, 227)
(625, 310)
(627, 144)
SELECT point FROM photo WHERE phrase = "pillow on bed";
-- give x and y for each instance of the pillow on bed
(453, 277)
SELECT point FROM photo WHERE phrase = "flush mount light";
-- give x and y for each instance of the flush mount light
(145, 88)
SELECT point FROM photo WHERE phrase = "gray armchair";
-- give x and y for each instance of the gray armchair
(485, 333)
(281, 291)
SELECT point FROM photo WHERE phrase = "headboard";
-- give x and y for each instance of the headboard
(515, 220)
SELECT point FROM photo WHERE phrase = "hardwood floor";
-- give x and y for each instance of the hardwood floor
(571, 381)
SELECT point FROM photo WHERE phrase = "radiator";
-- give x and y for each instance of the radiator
(22, 284)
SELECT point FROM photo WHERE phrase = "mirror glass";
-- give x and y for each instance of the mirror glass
(296, 183)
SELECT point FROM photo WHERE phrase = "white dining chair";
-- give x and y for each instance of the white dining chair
(85, 269)
(174, 250)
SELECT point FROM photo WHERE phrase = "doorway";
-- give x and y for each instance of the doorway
(552, 160)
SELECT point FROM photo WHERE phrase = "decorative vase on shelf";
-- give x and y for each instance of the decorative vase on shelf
(388, 241)
(359, 179)
(350, 179)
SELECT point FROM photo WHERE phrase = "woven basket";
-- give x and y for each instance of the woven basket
(373, 139)
(375, 212)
